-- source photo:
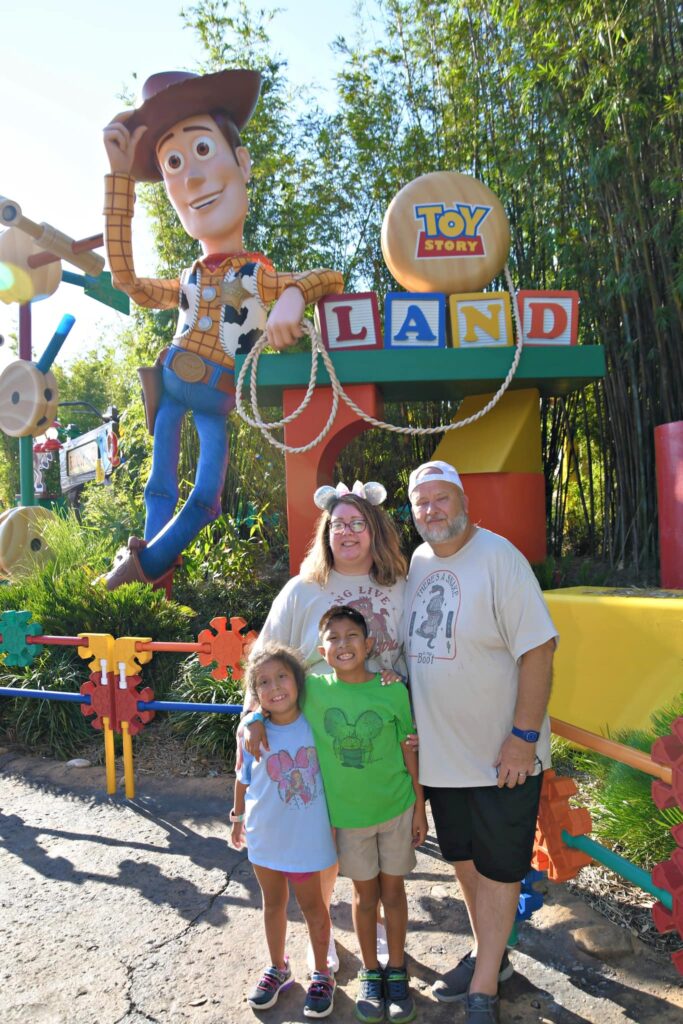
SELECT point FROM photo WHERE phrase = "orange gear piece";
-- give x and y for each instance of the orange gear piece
(551, 853)
(228, 647)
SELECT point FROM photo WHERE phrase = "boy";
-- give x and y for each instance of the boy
(374, 798)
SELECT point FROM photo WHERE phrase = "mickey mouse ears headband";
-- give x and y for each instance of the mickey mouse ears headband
(373, 492)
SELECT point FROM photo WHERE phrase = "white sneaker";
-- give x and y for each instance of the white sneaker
(382, 945)
(332, 958)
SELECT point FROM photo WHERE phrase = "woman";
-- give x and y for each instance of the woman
(355, 559)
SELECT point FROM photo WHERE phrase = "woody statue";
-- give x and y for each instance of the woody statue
(186, 132)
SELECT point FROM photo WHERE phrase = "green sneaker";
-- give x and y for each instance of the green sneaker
(400, 1006)
(370, 998)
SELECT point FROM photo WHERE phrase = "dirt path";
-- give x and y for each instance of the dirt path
(118, 912)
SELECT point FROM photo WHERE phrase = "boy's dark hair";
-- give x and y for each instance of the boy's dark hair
(342, 611)
(274, 652)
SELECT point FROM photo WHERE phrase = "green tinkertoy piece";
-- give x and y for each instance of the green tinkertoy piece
(15, 627)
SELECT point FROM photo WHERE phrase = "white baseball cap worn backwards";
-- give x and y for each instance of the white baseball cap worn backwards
(435, 470)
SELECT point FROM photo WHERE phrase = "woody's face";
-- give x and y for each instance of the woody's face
(205, 182)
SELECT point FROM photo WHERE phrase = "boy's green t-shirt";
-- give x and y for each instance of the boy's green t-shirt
(358, 730)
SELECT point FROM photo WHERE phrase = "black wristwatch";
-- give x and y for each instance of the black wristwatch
(530, 735)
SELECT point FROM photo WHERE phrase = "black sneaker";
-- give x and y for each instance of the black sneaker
(455, 983)
(482, 1009)
(272, 982)
(320, 995)
(400, 1006)
(370, 998)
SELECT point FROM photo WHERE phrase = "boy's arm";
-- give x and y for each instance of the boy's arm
(419, 813)
(237, 833)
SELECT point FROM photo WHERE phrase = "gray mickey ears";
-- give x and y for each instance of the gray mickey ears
(373, 492)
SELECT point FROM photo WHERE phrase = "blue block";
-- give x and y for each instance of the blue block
(415, 320)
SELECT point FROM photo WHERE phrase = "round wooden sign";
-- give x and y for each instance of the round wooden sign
(445, 232)
(28, 399)
(22, 544)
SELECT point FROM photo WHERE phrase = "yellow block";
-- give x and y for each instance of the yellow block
(481, 320)
(506, 440)
(620, 657)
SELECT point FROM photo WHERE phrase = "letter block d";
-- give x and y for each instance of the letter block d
(549, 318)
(349, 322)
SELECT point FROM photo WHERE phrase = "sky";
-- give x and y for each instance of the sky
(60, 80)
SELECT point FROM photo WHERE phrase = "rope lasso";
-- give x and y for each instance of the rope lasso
(319, 350)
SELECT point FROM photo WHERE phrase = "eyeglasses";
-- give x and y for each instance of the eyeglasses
(355, 525)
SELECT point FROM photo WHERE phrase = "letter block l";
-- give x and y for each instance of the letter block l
(349, 322)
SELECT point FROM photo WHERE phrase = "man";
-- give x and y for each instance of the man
(479, 644)
(186, 133)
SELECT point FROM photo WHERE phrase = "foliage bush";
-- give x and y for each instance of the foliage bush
(212, 734)
(619, 797)
(230, 570)
(63, 599)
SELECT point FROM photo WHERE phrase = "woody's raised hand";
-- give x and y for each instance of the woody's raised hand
(120, 144)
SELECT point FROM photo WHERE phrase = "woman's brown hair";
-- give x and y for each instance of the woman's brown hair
(389, 564)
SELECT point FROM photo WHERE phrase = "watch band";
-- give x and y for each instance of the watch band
(253, 716)
(235, 817)
(530, 735)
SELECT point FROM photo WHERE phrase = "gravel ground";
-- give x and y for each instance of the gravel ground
(124, 912)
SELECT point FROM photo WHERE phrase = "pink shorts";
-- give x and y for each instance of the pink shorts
(299, 876)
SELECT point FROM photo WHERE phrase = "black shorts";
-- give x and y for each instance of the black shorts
(493, 827)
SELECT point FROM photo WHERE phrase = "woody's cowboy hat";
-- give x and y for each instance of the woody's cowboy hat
(171, 96)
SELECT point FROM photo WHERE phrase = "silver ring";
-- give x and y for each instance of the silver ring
(521, 773)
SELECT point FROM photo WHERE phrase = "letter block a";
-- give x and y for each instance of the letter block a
(415, 320)
(481, 320)
(349, 322)
(549, 318)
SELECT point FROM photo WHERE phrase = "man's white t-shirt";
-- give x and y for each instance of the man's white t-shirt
(469, 617)
(298, 608)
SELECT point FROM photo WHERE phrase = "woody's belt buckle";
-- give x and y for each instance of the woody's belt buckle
(189, 367)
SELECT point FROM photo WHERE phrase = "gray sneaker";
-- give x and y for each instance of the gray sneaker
(400, 1006)
(370, 998)
(482, 1009)
(455, 983)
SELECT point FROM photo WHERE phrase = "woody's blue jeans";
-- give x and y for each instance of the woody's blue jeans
(168, 534)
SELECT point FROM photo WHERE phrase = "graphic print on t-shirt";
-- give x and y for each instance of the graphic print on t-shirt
(297, 778)
(376, 619)
(353, 740)
(433, 618)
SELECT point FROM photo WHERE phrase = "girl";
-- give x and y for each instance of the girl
(281, 814)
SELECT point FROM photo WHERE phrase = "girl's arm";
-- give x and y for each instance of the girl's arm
(237, 833)
(254, 736)
(419, 812)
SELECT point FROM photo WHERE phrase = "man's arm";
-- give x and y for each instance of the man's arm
(517, 758)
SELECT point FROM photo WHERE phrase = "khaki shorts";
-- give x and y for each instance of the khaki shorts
(364, 852)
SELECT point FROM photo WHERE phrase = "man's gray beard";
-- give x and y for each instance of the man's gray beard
(438, 533)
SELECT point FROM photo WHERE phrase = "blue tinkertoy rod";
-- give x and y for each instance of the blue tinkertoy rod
(619, 865)
(151, 705)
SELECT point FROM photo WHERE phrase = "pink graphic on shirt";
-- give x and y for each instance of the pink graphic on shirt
(295, 777)
(376, 623)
